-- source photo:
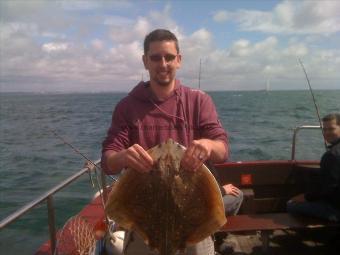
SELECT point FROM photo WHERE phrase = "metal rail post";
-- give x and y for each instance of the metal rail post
(51, 223)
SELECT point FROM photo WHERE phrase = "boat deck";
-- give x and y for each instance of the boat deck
(307, 242)
(314, 241)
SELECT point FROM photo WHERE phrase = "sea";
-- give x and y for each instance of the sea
(33, 160)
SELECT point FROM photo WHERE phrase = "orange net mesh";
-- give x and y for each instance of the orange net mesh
(76, 237)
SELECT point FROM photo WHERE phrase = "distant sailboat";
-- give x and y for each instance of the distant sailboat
(267, 85)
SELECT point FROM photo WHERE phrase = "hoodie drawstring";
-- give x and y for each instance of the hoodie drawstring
(184, 118)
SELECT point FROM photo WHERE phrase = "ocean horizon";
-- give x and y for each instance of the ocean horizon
(126, 92)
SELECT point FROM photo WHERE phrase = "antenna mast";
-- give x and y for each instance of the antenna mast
(199, 75)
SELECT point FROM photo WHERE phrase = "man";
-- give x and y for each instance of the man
(325, 202)
(159, 109)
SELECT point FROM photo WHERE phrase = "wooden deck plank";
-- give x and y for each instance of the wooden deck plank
(272, 221)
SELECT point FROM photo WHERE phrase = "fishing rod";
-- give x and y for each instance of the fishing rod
(54, 132)
(75, 149)
(88, 161)
(316, 106)
(72, 147)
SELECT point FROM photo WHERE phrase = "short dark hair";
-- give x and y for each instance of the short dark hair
(159, 35)
(332, 116)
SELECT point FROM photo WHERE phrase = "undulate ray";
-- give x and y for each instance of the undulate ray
(170, 208)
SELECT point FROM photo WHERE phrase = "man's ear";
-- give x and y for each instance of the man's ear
(179, 61)
(145, 62)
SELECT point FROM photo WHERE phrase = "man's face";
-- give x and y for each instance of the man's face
(162, 61)
(331, 131)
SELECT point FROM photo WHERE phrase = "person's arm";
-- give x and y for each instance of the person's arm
(213, 144)
(214, 150)
(212, 131)
(219, 152)
(329, 179)
(202, 150)
(113, 162)
(116, 141)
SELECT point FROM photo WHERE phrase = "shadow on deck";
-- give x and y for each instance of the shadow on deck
(306, 242)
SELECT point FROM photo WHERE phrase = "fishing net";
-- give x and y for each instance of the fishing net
(76, 237)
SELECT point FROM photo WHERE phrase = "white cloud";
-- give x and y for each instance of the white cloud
(288, 17)
(247, 65)
(142, 27)
(221, 16)
(115, 20)
(296, 50)
(103, 52)
(89, 5)
(194, 47)
(126, 33)
(50, 47)
(15, 28)
(240, 48)
(198, 43)
(80, 5)
(244, 48)
(97, 44)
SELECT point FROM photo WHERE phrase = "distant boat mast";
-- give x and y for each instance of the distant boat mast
(199, 75)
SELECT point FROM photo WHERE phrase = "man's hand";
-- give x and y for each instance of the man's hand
(134, 157)
(197, 152)
(231, 190)
(137, 158)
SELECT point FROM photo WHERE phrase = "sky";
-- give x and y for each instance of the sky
(96, 46)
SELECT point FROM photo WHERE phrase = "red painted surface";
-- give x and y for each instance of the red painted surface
(246, 179)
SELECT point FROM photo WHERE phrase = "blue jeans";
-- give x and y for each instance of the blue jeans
(319, 209)
(232, 203)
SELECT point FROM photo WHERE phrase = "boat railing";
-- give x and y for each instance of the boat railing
(48, 197)
(296, 130)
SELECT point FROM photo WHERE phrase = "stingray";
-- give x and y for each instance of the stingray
(169, 208)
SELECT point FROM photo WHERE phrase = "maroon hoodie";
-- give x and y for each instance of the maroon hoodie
(186, 115)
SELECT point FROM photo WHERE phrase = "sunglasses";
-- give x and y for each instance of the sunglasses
(158, 57)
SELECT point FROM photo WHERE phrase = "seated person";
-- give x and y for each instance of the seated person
(232, 199)
(325, 201)
(231, 195)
